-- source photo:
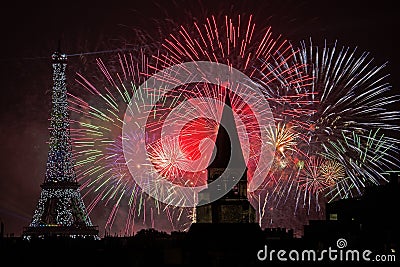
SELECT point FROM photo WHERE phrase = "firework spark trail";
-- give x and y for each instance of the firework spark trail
(353, 104)
(311, 180)
(366, 160)
(282, 138)
(238, 43)
(100, 162)
(336, 115)
(352, 91)
(292, 101)
(332, 171)
(228, 41)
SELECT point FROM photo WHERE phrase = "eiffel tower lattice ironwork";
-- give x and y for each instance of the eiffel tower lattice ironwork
(60, 210)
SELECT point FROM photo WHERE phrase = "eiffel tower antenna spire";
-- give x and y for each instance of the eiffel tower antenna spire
(59, 45)
(60, 210)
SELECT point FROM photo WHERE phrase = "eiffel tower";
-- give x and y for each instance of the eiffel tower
(60, 211)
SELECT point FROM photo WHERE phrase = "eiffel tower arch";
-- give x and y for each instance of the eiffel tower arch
(60, 210)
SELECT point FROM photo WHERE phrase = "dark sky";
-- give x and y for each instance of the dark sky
(29, 35)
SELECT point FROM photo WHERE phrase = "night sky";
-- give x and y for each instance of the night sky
(29, 35)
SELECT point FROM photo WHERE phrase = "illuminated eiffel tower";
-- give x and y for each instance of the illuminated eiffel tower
(60, 210)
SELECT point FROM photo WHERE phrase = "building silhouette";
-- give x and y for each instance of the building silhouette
(1, 228)
(368, 221)
(234, 206)
(60, 210)
(225, 231)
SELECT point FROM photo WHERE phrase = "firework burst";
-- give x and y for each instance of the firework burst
(332, 172)
(355, 105)
(282, 138)
(100, 162)
(366, 160)
(340, 116)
